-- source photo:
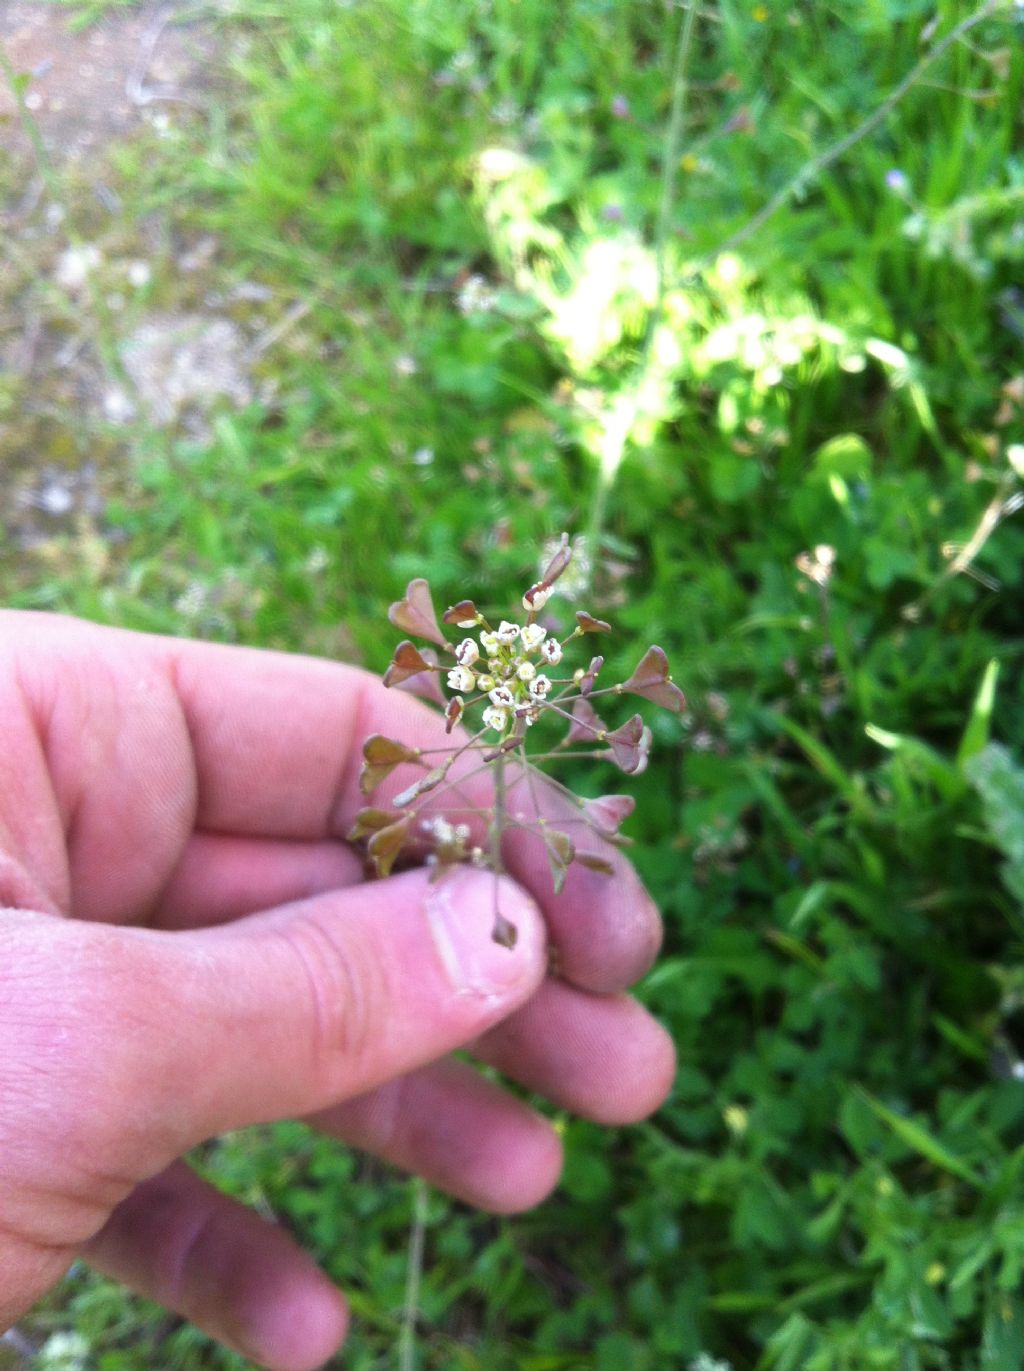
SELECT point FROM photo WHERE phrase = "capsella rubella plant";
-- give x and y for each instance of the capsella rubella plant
(501, 680)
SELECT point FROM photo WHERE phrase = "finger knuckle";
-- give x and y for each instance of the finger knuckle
(347, 990)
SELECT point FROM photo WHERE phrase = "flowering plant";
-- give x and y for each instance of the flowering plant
(501, 680)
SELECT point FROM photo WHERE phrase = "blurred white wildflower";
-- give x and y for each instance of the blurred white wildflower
(475, 296)
(192, 601)
(76, 264)
(139, 274)
(704, 1361)
(63, 1352)
(818, 565)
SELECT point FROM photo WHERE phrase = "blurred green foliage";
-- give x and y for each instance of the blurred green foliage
(464, 198)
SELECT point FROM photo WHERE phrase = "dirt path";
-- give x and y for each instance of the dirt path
(85, 352)
(90, 86)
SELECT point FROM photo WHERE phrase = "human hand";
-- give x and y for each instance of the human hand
(188, 946)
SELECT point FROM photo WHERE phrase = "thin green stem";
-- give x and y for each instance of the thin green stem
(617, 438)
(413, 1276)
(813, 168)
(669, 169)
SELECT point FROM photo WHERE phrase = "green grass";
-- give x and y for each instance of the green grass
(834, 1183)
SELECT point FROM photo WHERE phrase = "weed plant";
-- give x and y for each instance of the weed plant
(537, 291)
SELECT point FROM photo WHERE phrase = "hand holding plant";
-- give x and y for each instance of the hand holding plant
(503, 680)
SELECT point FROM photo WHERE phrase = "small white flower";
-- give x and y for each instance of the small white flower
(551, 651)
(489, 642)
(494, 665)
(539, 686)
(502, 697)
(486, 683)
(475, 296)
(439, 829)
(76, 264)
(495, 718)
(467, 652)
(526, 671)
(537, 598)
(507, 632)
(139, 274)
(461, 678)
(64, 1352)
(533, 635)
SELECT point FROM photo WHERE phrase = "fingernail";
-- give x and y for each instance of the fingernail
(461, 909)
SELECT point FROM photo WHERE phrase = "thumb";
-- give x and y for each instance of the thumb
(285, 1013)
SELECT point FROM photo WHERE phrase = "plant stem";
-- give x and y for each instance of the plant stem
(617, 435)
(669, 167)
(813, 168)
(410, 1307)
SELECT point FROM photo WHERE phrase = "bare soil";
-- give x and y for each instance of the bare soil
(90, 86)
(108, 320)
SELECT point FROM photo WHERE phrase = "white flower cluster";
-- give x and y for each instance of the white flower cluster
(444, 833)
(500, 667)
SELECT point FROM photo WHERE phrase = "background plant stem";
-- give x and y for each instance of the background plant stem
(610, 461)
(413, 1276)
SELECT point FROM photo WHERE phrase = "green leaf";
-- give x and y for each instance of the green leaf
(1000, 783)
(922, 1142)
(920, 758)
(1002, 1344)
(821, 759)
(846, 455)
(976, 733)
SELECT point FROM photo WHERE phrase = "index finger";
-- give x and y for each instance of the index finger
(169, 734)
